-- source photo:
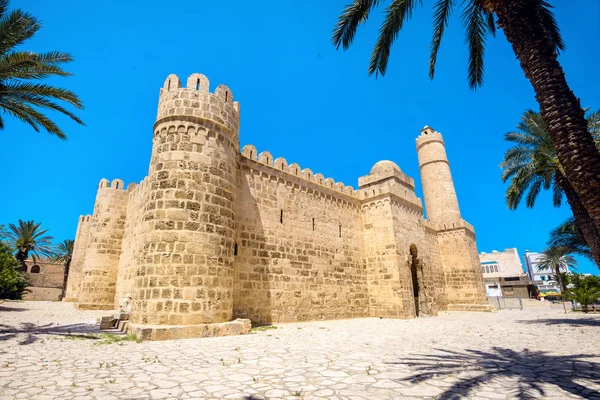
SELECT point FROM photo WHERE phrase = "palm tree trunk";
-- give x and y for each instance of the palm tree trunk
(559, 107)
(65, 279)
(562, 288)
(584, 222)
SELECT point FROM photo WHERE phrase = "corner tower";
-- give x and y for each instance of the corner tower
(441, 203)
(455, 236)
(184, 279)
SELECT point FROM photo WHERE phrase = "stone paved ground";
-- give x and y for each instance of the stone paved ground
(535, 353)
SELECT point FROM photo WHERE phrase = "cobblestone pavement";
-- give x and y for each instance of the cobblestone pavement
(534, 353)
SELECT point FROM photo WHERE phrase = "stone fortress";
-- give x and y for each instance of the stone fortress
(212, 237)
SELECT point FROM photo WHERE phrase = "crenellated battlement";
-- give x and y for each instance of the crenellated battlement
(428, 134)
(281, 164)
(195, 100)
(116, 184)
(84, 219)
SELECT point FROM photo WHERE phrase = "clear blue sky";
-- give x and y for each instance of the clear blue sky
(300, 99)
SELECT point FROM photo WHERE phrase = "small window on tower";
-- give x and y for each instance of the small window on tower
(197, 84)
(235, 249)
(313, 224)
(226, 95)
(281, 216)
(340, 230)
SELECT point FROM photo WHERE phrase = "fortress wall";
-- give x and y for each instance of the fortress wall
(286, 268)
(132, 239)
(79, 248)
(460, 258)
(382, 262)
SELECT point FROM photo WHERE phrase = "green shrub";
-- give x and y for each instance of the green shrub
(12, 281)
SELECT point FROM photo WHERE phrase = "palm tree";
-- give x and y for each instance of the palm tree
(556, 260)
(19, 97)
(584, 295)
(532, 165)
(530, 27)
(28, 238)
(568, 236)
(64, 254)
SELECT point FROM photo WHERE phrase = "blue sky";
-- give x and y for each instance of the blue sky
(300, 99)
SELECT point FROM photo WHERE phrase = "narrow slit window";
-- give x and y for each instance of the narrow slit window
(235, 249)
(226, 95)
(340, 230)
(281, 216)
(169, 85)
(313, 224)
(197, 84)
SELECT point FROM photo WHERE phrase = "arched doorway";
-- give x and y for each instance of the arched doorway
(414, 273)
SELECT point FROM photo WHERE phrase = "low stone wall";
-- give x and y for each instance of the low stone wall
(166, 332)
(42, 293)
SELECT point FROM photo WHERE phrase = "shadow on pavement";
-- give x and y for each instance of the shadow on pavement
(32, 333)
(564, 321)
(473, 369)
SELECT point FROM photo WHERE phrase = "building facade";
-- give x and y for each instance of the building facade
(213, 234)
(45, 279)
(503, 274)
(542, 279)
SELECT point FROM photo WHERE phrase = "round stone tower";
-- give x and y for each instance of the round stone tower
(441, 203)
(185, 271)
(104, 247)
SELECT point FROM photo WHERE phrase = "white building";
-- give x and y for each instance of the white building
(542, 279)
(503, 273)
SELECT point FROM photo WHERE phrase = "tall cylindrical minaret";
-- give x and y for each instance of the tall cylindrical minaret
(441, 203)
(185, 274)
(104, 247)
(79, 249)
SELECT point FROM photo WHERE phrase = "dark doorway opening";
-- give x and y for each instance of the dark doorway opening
(414, 273)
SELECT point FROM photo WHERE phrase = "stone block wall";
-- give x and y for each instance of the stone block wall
(298, 247)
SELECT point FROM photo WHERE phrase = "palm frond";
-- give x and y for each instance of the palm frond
(353, 15)
(557, 193)
(474, 20)
(550, 26)
(31, 116)
(396, 14)
(568, 236)
(441, 13)
(15, 28)
(27, 65)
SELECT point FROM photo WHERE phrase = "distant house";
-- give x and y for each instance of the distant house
(45, 278)
(542, 279)
(503, 274)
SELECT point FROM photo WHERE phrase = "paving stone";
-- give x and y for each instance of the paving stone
(450, 356)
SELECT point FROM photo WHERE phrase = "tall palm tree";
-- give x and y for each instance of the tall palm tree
(532, 165)
(19, 96)
(556, 260)
(63, 255)
(568, 236)
(530, 27)
(29, 239)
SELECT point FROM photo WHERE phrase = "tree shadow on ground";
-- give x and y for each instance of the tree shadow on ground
(564, 321)
(28, 333)
(473, 369)
(8, 309)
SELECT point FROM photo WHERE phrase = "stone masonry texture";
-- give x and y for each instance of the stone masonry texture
(215, 234)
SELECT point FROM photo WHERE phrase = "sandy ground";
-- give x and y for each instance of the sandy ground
(46, 353)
